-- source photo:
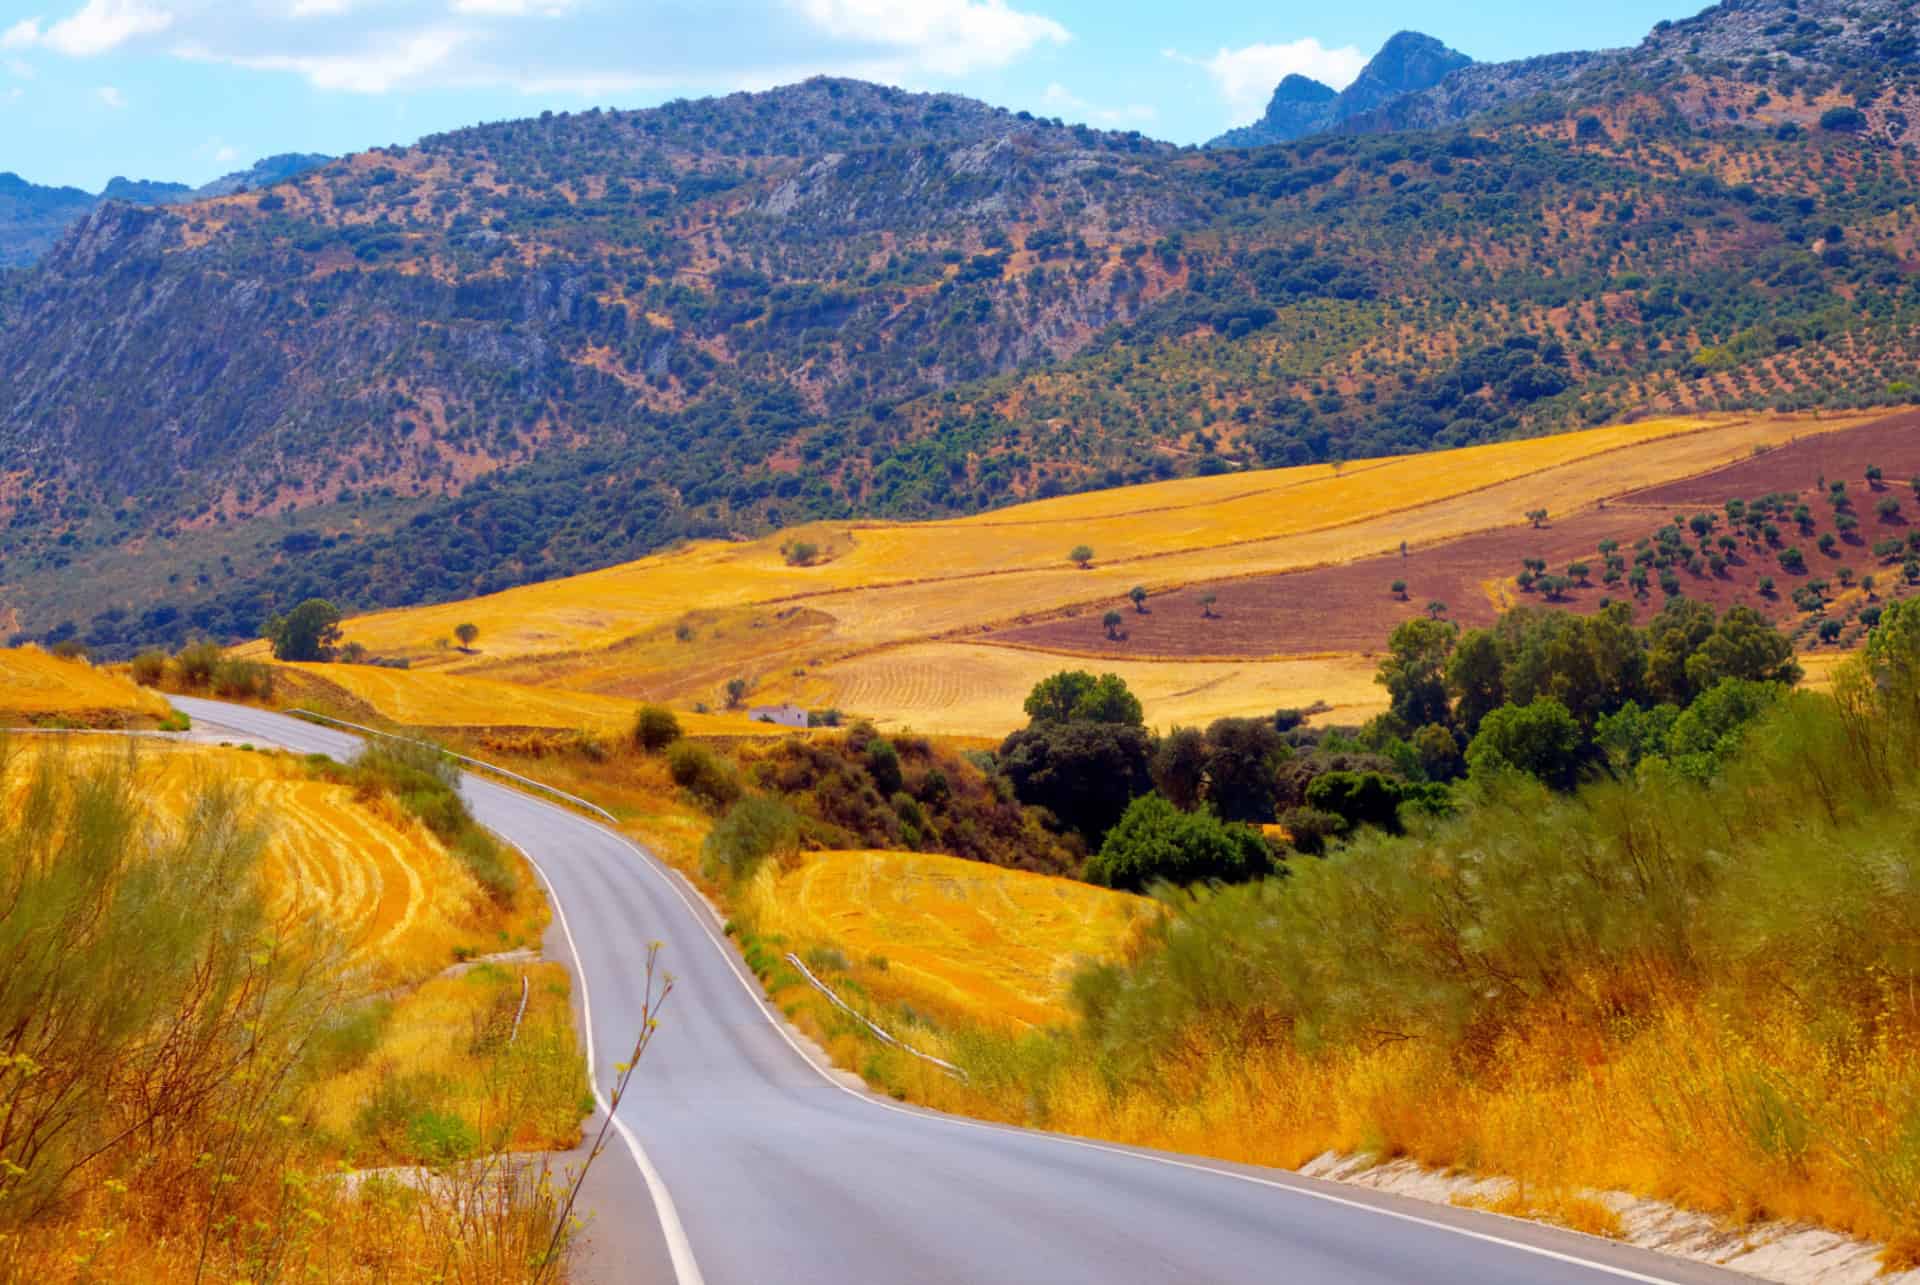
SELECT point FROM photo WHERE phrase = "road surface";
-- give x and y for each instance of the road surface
(748, 1164)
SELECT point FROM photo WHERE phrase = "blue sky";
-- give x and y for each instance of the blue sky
(190, 89)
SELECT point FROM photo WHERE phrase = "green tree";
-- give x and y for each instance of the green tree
(307, 633)
(1241, 756)
(1081, 555)
(1436, 609)
(1673, 635)
(1113, 620)
(655, 728)
(1400, 590)
(1476, 678)
(1541, 739)
(1084, 773)
(1711, 729)
(1414, 669)
(1155, 842)
(466, 631)
(1179, 767)
(1207, 600)
(736, 692)
(1139, 595)
(1439, 753)
(1358, 798)
(1076, 696)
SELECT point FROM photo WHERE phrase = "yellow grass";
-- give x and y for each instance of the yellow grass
(382, 880)
(523, 1096)
(856, 629)
(35, 686)
(434, 698)
(899, 581)
(969, 689)
(991, 943)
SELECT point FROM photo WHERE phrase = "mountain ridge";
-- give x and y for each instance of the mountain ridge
(33, 217)
(542, 345)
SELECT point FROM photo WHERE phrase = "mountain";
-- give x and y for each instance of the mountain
(33, 217)
(1407, 63)
(538, 346)
(1823, 45)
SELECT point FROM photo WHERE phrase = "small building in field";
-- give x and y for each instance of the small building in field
(784, 715)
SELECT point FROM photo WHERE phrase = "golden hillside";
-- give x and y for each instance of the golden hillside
(895, 622)
(36, 687)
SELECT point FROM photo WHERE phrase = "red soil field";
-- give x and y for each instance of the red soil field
(1351, 608)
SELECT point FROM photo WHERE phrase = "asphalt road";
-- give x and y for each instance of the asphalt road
(747, 1163)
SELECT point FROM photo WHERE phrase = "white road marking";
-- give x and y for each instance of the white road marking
(686, 1271)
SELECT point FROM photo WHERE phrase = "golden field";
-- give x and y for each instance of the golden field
(35, 686)
(993, 944)
(972, 690)
(399, 899)
(874, 627)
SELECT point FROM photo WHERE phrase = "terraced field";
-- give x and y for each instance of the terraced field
(998, 945)
(36, 687)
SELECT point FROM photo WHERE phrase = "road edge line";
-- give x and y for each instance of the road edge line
(686, 1269)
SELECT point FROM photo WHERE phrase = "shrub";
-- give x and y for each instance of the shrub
(196, 663)
(149, 667)
(703, 774)
(1310, 829)
(753, 829)
(1358, 798)
(242, 679)
(655, 728)
(1155, 842)
(802, 553)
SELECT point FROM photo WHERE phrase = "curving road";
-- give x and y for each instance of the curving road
(745, 1162)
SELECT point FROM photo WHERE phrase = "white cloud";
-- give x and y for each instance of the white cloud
(110, 96)
(950, 37)
(513, 8)
(101, 25)
(405, 62)
(21, 35)
(1244, 78)
(1060, 100)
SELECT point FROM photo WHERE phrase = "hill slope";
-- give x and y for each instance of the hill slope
(530, 348)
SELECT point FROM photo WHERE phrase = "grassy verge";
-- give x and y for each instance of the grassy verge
(1701, 992)
(191, 1063)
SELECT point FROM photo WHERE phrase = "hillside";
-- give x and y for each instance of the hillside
(34, 218)
(527, 349)
(940, 627)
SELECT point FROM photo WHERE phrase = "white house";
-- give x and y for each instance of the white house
(784, 715)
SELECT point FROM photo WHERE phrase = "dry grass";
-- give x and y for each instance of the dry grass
(961, 936)
(1165, 524)
(676, 626)
(967, 689)
(437, 699)
(36, 688)
(382, 881)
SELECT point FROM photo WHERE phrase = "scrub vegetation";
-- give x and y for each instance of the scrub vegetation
(223, 990)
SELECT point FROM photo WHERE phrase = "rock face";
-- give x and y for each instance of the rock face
(1300, 106)
(1406, 64)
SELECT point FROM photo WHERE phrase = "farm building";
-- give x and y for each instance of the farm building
(784, 715)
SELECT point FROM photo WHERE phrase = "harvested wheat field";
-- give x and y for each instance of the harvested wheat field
(401, 901)
(435, 699)
(972, 689)
(991, 943)
(36, 687)
(1352, 606)
(899, 581)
